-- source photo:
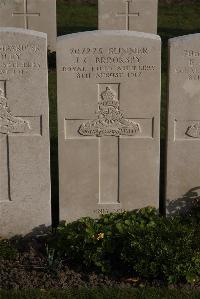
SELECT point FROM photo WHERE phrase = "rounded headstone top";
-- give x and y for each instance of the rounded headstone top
(23, 31)
(123, 33)
(184, 37)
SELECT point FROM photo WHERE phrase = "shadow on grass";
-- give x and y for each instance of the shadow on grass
(162, 205)
(185, 204)
(51, 60)
(54, 182)
(68, 30)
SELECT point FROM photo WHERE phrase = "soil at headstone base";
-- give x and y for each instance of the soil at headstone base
(32, 271)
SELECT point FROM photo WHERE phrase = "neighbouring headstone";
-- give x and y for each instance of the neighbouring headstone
(39, 15)
(24, 132)
(108, 111)
(133, 15)
(183, 166)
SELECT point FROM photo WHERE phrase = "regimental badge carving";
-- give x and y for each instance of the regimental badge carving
(8, 122)
(110, 120)
(193, 130)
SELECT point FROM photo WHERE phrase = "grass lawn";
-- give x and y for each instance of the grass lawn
(101, 294)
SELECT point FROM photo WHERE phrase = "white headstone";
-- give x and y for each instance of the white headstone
(108, 112)
(183, 148)
(134, 15)
(39, 15)
(24, 132)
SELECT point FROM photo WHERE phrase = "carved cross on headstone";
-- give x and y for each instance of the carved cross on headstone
(25, 14)
(10, 125)
(128, 14)
(109, 126)
(2, 3)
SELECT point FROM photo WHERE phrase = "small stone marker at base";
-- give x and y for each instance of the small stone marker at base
(24, 132)
(108, 112)
(39, 15)
(133, 15)
(183, 148)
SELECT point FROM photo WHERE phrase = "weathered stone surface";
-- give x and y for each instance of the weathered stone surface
(108, 111)
(133, 15)
(24, 132)
(183, 168)
(39, 15)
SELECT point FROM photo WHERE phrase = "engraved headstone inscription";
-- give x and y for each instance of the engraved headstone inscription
(108, 111)
(134, 15)
(183, 166)
(39, 15)
(24, 132)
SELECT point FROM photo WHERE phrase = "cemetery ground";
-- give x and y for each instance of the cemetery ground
(101, 293)
(166, 251)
